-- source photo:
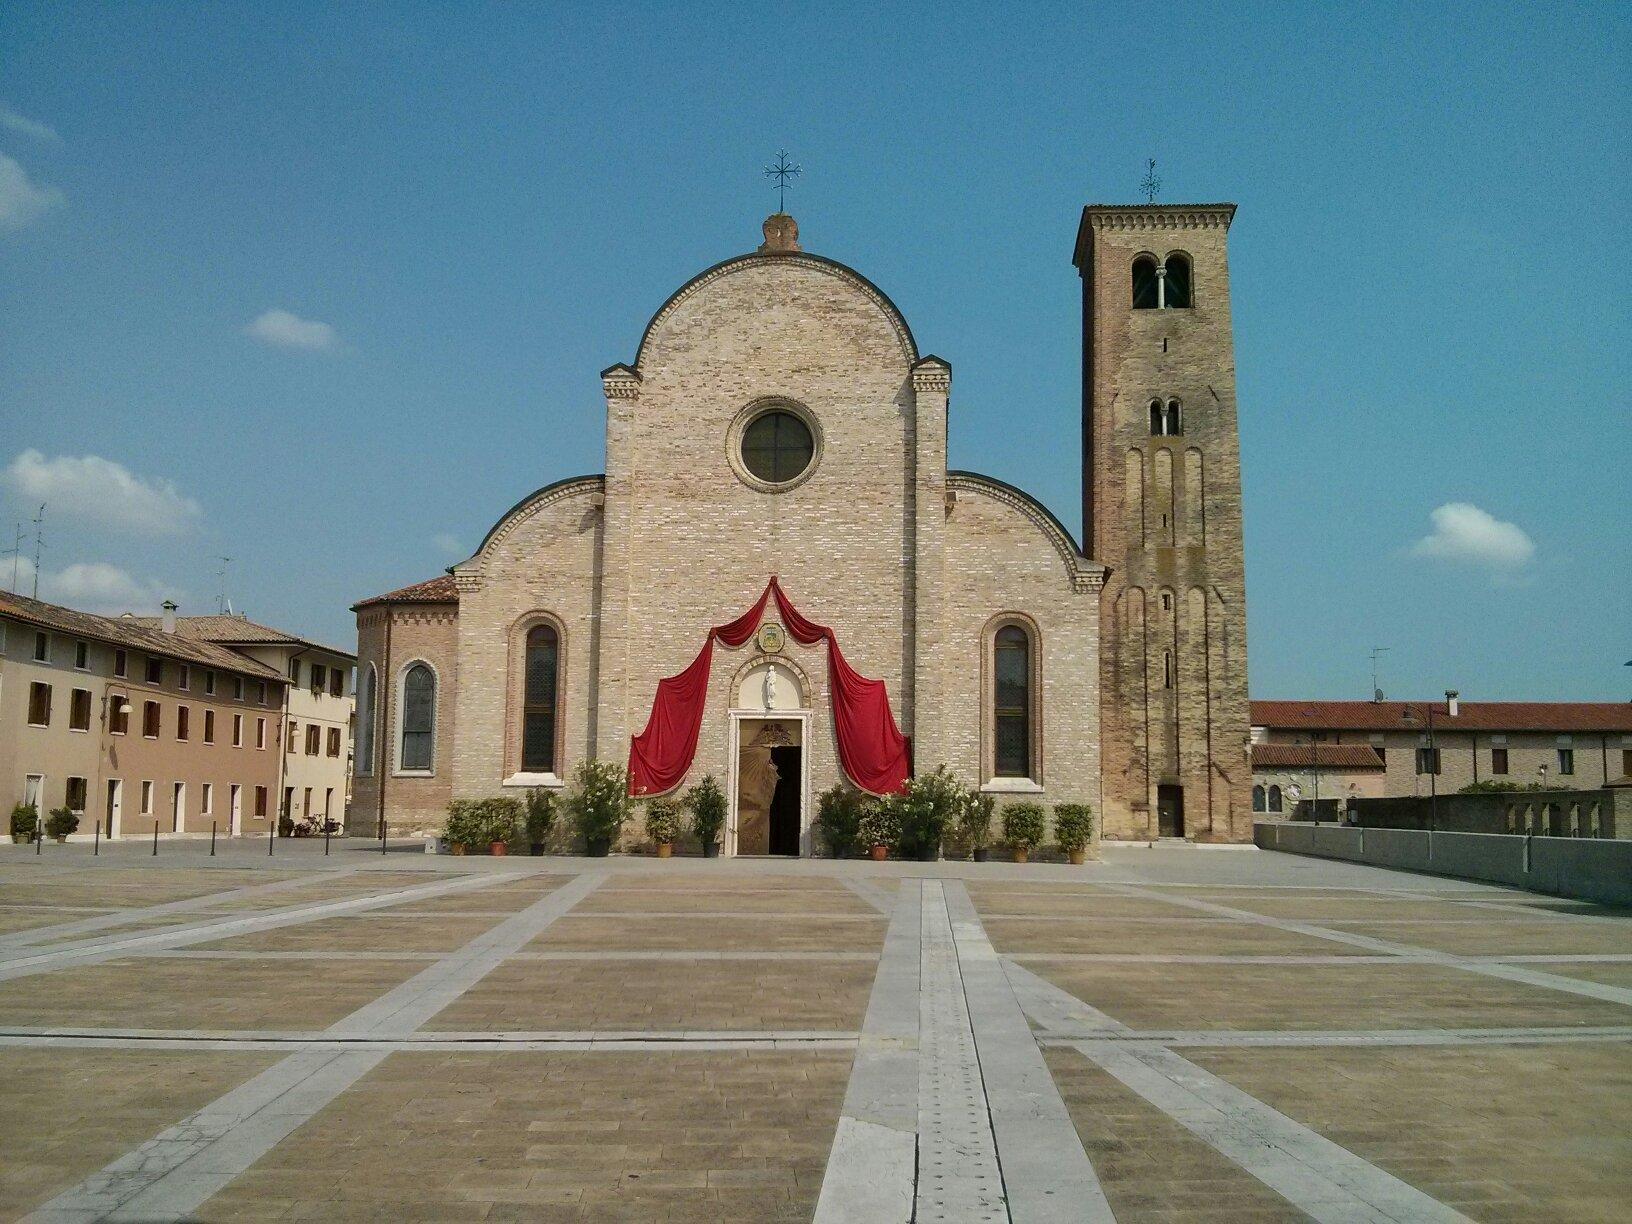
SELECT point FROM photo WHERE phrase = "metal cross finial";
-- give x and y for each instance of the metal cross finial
(782, 171)
(1150, 184)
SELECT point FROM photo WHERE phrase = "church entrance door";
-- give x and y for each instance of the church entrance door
(1170, 811)
(769, 786)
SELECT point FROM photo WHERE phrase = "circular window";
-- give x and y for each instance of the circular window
(777, 447)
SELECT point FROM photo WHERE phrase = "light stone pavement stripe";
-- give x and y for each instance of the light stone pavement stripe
(124, 917)
(1047, 1175)
(748, 914)
(29, 961)
(1312, 1173)
(1350, 1039)
(1255, 958)
(1327, 1182)
(876, 895)
(613, 954)
(601, 1044)
(959, 1177)
(872, 1165)
(1495, 969)
(175, 1173)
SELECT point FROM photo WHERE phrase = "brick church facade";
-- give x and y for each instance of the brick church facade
(778, 420)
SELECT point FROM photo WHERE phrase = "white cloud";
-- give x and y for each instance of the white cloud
(22, 200)
(1463, 532)
(100, 491)
(447, 542)
(24, 126)
(285, 330)
(92, 586)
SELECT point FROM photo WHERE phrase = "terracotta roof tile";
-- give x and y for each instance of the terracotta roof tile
(433, 590)
(1557, 716)
(232, 630)
(1329, 756)
(131, 632)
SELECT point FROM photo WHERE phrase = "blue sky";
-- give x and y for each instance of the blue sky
(463, 213)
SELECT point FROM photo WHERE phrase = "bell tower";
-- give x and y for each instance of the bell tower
(1162, 508)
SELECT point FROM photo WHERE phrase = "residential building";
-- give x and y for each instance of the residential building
(134, 727)
(1440, 747)
(316, 747)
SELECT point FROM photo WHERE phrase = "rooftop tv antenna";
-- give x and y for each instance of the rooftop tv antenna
(16, 552)
(1150, 184)
(39, 543)
(221, 584)
(1376, 652)
(782, 171)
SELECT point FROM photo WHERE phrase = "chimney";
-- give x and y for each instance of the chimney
(1451, 704)
(169, 607)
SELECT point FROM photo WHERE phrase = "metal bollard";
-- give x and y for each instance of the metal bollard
(325, 837)
(155, 837)
(271, 835)
(39, 835)
(212, 839)
(96, 839)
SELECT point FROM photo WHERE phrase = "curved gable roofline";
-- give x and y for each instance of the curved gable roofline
(555, 487)
(1083, 570)
(882, 299)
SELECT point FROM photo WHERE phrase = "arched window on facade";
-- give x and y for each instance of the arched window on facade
(1167, 669)
(1158, 419)
(1166, 420)
(365, 723)
(1275, 799)
(1011, 702)
(1175, 287)
(1144, 283)
(539, 700)
(1258, 799)
(418, 718)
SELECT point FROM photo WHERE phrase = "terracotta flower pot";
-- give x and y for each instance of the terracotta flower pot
(1021, 854)
(1077, 857)
(878, 853)
(498, 849)
(456, 848)
(665, 849)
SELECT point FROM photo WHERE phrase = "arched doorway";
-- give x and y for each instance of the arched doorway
(770, 768)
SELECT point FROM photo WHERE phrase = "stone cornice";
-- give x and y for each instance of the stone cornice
(620, 382)
(1084, 574)
(932, 374)
(1158, 216)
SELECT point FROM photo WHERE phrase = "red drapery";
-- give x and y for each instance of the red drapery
(872, 749)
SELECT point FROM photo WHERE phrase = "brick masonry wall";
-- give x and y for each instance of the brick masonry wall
(1167, 520)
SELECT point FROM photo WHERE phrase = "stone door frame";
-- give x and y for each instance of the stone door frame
(728, 842)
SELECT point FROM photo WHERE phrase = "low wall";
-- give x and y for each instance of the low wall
(1590, 869)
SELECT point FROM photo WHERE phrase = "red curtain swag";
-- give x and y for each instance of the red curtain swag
(872, 749)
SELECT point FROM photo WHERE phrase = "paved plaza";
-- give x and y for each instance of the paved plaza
(1176, 1033)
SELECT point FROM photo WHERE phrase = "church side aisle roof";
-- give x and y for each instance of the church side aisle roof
(433, 590)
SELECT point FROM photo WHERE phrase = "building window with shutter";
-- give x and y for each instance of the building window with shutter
(79, 710)
(1498, 760)
(150, 720)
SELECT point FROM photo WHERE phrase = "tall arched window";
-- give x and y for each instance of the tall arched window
(1275, 799)
(418, 718)
(1011, 702)
(1144, 283)
(1158, 419)
(365, 723)
(1258, 799)
(1176, 282)
(1173, 420)
(538, 700)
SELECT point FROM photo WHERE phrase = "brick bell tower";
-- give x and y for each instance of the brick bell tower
(1162, 508)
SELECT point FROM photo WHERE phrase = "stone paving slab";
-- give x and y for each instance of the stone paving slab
(992, 901)
(1360, 996)
(789, 934)
(1149, 1166)
(380, 934)
(806, 902)
(1614, 973)
(582, 1137)
(154, 992)
(1133, 935)
(1359, 907)
(1494, 938)
(1550, 1144)
(700, 994)
(66, 1113)
(119, 887)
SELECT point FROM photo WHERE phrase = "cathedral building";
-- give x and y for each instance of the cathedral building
(779, 582)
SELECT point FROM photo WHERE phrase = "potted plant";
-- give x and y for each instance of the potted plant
(706, 802)
(499, 819)
(838, 815)
(600, 804)
(880, 826)
(1023, 828)
(61, 822)
(25, 818)
(975, 823)
(928, 806)
(463, 827)
(663, 825)
(1074, 830)
(540, 819)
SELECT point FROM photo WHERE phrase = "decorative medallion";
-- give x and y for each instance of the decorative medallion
(772, 638)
